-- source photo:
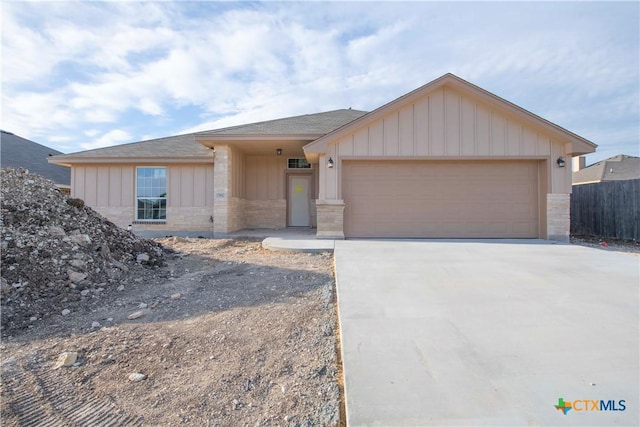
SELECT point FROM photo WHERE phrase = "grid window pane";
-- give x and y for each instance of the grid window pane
(298, 164)
(151, 191)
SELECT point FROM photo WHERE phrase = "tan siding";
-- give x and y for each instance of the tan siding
(190, 186)
(174, 187)
(187, 188)
(102, 189)
(468, 121)
(376, 139)
(406, 129)
(444, 123)
(264, 177)
(529, 142)
(544, 146)
(331, 183)
(483, 131)
(209, 191)
(514, 146)
(361, 142)
(274, 176)
(560, 177)
(250, 178)
(346, 146)
(77, 185)
(128, 186)
(238, 175)
(322, 179)
(498, 131)
(115, 185)
(452, 123)
(91, 186)
(436, 123)
(199, 187)
(391, 135)
(118, 184)
(422, 126)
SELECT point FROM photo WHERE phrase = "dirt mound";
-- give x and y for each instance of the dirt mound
(57, 253)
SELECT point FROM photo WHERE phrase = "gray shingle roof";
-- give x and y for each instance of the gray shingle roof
(185, 146)
(617, 168)
(16, 151)
(308, 124)
(173, 146)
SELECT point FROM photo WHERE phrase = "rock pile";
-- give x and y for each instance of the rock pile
(56, 252)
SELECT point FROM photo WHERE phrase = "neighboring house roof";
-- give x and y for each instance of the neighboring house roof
(617, 168)
(309, 124)
(20, 152)
(579, 145)
(186, 147)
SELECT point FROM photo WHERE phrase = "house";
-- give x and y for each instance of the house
(617, 168)
(447, 160)
(18, 152)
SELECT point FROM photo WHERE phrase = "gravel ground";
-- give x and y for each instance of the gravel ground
(229, 334)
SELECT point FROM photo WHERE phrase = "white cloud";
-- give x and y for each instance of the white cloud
(95, 68)
(61, 138)
(114, 137)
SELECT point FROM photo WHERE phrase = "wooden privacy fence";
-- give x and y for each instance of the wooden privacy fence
(606, 209)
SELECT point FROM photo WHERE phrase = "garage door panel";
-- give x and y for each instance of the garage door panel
(441, 199)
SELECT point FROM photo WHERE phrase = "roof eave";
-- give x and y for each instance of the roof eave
(255, 137)
(581, 146)
(70, 161)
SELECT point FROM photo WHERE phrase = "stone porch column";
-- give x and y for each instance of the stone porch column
(330, 217)
(558, 216)
(228, 210)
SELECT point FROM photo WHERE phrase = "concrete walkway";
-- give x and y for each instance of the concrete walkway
(300, 239)
(292, 240)
(487, 333)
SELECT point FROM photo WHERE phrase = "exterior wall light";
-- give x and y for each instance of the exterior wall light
(278, 151)
(560, 162)
(330, 163)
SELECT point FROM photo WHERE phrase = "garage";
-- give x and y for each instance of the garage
(447, 160)
(441, 199)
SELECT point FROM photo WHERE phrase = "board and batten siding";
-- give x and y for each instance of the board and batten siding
(190, 186)
(265, 177)
(237, 173)
(111, 190)
(447, 124)
(104, 185)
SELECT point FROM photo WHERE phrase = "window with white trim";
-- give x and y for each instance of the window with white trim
(151, 193)
(301, 163)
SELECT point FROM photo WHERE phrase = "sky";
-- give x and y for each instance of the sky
(83, 75)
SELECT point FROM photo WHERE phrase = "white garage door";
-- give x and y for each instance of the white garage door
(439, 199)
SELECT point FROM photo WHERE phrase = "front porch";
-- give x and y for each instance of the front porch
(261, 190)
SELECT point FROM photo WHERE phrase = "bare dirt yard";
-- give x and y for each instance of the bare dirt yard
(229, 333)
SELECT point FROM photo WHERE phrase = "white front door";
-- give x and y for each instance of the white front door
(298, 200)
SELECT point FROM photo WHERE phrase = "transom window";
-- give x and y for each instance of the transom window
(298, 164)
(151, 194)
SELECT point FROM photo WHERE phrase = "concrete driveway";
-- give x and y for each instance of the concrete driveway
(487, 332)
